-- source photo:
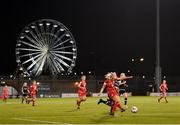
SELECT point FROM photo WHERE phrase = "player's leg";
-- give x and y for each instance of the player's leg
(83, 98)
(112, 104)
(107, 102)
(4, 98)
(165, 97)
(78, 102)
(161, 97)
(30, 99)
(26, 98)
(33, 100)
(117, 104)
(125, 99)
(22, 99)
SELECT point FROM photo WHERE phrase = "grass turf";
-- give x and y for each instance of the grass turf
(63, 111)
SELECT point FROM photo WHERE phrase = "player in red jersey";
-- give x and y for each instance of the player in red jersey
(118, 85)
(81, 91)
(163, 87)
(33, 92)
(5, 93)
(112, 93)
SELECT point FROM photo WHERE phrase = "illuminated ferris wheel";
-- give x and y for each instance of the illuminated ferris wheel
(46, 46)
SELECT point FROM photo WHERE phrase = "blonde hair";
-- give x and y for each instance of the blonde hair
(114, 75)
(83, 77)
(108, 75)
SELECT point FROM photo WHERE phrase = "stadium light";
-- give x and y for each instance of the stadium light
(143, 77)
(32, 26)
(55, 26)
(3, 82)
(21, 68)
(141, 59)
(11, 76)
(40, 24)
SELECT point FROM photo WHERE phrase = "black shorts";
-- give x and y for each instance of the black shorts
(122, 91)
(25, 95)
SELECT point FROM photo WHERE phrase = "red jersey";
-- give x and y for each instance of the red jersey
(33, 89)
(5, 91)
(82, 88)
(163, 87)
(110, 88)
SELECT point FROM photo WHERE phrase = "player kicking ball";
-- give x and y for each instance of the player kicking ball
(112, 93)
(121, 86)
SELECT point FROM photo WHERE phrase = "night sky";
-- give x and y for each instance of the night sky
(108, 33)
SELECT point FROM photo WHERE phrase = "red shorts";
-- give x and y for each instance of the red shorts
(81, 93)
(112, 94)
(163, 93)
(33, 96)
(5, 96)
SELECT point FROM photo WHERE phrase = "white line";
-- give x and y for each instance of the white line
(31, 120)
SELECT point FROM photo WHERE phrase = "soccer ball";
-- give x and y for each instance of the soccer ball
(134, 109)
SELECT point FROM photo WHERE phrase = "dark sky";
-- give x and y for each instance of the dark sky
(108, 33)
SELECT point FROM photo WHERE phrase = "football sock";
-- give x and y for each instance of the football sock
(117, 105)
(125, 101)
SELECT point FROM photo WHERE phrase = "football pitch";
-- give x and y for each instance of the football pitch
(63, 111)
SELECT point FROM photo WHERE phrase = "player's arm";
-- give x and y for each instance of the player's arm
(124, 78)
(79, 85)
(102, 89)
(160, 87)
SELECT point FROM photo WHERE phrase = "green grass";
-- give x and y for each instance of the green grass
(62, 111)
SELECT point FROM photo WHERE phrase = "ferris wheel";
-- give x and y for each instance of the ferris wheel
(46, 46)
